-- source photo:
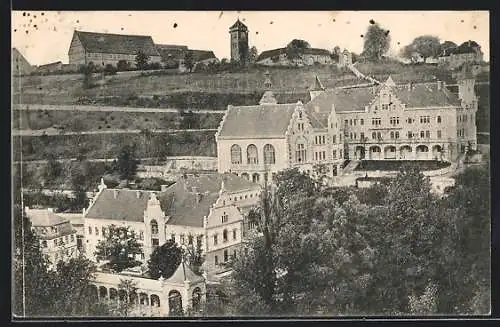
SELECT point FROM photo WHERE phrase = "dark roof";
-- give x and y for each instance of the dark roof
(50, 64)
(180, 200)
(466, 47)
(127, 206)
(178, 52)
(316, 51)
(261, 121)
(117, 43)
(270, 53)
(276, 52)
(199, 55)
(171, 53)
(238, 25)
(171, 46)
(345, 100)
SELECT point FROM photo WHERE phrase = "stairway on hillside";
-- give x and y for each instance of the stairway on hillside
(350, 167)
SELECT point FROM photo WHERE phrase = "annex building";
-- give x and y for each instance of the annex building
(206, 210)
(381, 122)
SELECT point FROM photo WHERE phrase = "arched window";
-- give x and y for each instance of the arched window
(154, 227)
(155, 300)
(252, 157)
(439, 119)
(235, 154)
(269, 154)
(196, 298)
(175, 303)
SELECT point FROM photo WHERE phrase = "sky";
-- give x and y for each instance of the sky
(44, 37)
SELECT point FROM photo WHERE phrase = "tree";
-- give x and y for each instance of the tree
(446, 45)
(125, 306)
(295, 49)
(88, 71)
(30, 269)
(189, 61)
(193, 255)
(119, 247)
(52, 170)
(253, 54)
(60, 292)
(376, 42)
(110, 69)
(164, 260)
(336, 53)
(141, 60)
(427, 46)
(126, 164)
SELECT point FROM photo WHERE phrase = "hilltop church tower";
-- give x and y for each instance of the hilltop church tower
(239, 40)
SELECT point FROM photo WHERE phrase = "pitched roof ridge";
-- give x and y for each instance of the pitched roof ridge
(113, 34)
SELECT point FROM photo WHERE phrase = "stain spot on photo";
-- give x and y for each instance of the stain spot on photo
(372, 21)
(175, 25)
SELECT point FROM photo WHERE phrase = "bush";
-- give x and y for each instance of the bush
(123, 65)
(110, 70)
(154, 65)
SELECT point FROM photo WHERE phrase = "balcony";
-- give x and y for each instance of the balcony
(258, 167)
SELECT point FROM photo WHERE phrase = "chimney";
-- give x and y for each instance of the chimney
(115, 193)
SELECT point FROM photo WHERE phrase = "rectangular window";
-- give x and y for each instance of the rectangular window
(90, 230)
(355, 136)
(226, 256)
(216, 260)
(396, 135)
(361, 121)
(172, 237)
(438, 134)
(334, 154)
(97, 231)
(361, 136)
(350, 122)
(422, 134)
(234, 234)
(379, 135)
(346, 122)
(334, 139)
(427, 134)
(55, 242)
(355, 120)
(72, 237)
(324, 155)
(225, 218)
(374, 136)
(324, 140)
(155, 242)
(215, 239)
(392, 135)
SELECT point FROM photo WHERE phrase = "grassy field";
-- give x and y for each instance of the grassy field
(68, 88)
(94, 121)
(107, 146)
